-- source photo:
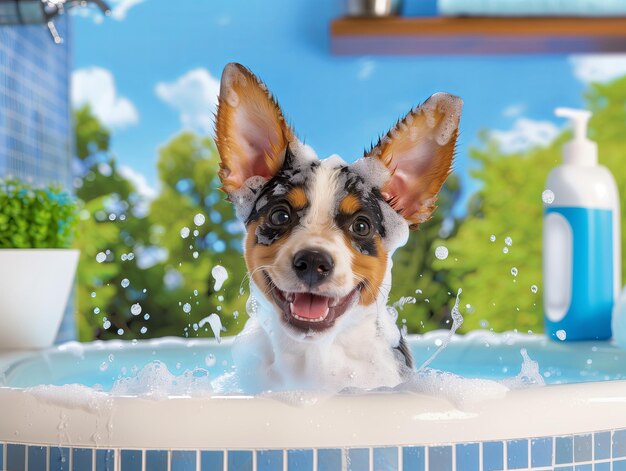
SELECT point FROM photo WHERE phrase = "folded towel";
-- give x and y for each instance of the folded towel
(532, 7)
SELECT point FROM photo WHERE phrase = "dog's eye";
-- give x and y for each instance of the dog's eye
(361, 227)
(279, 216)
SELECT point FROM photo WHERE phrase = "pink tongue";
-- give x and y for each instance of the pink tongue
(310, 306)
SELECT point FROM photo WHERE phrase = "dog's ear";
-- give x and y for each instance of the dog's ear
(251, 132)
(418, 153)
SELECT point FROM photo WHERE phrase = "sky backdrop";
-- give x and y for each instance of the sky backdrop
(152, 69)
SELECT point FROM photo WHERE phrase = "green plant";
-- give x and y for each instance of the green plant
(35, 217)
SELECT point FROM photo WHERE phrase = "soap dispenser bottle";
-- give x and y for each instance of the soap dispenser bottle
(581, 240)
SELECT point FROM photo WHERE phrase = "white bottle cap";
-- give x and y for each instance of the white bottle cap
(580, 150)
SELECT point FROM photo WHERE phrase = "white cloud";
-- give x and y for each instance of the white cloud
(194, 96)
(119, 10)
(598, 67)
(139, 181)
(512, 111)
(96, 86)
(524, 134)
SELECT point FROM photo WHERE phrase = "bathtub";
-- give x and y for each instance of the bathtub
(576, 422)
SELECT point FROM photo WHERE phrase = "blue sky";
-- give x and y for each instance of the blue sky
(152, 70)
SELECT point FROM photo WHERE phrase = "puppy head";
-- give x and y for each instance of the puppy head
(320, 232)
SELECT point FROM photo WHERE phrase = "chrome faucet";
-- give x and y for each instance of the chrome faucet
(22, 12)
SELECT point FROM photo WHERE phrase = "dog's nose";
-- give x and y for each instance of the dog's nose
(312, 266)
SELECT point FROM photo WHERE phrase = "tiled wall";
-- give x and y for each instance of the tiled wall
(600, 451)
(35, 115)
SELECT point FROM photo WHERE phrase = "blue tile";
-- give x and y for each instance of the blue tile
(602, 467)
(16, 457)
(183, 460)
(517, 454)
(82, 459)
(131, 460)
(269, 460)
(601, 445)
(413, 458)
(440, 458)
(541, 452)
(467, 457)
(300, 460)
(239, 460)
(212, 460)
(564, 450)
(105, 460)
(493, 456)
(358, 459)
(329, 459)
(619, 465)
(59, 459)
(386, 459)
(619, 443)
(583, 448)
(156, 460)
(37, 458)
(583, 467)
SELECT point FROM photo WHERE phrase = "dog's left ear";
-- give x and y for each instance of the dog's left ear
(418, 153)
(251, 132)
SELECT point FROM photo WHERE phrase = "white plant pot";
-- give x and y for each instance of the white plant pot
(35, 285)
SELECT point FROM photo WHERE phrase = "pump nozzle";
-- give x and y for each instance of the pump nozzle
(580, 150)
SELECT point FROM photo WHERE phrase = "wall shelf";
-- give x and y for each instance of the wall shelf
(476, 35)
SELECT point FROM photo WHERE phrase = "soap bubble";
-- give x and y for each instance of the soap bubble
(135, 309)
(186, 308)
(561, 334)
(184, 232)
(101, 257)
(508, 241)
(441, 252)
(492, 238)
(125, 283)
(514, 271)
(547, 196)
(534, 288)
(199, 219)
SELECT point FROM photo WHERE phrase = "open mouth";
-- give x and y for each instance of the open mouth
(311, 310)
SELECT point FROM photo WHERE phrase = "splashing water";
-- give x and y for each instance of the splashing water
(529, 375)
(457, 321)
(220, 275)
(216, 325)
(400, 303)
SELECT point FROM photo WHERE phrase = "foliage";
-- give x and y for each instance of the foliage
(35, 217)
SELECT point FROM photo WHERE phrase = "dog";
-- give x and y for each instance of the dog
(319, 235)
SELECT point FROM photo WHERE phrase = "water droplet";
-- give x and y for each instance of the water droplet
(143, 330)
(418, 291)
(135, 309)
(93, 294)
(199, 219)
(220, 275)
(120, 331)
(220, 298)
(111, 357)
(441, 252)
(210, 360)
(195, 255)
(561, 334)
(438, 342)
(186, 308)
(589, 361)
(196, 233)
(104, 366)
(195, 292)
(96, 310)
(101, 257)
(508, 241)
(514, 271)
(547, 196)
(146, 316)
(534, 288)
(235, 314)
(505, 250)
(124, 257)
(144, 290)
(184, 232)
(106, 324)
(125, 283)
(492, 238)
(131, 256)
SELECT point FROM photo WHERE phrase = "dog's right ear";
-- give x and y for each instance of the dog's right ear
(251, 132)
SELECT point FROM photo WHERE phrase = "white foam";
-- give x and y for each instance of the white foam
(216, 325)
(450, 107)
(244, 198)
